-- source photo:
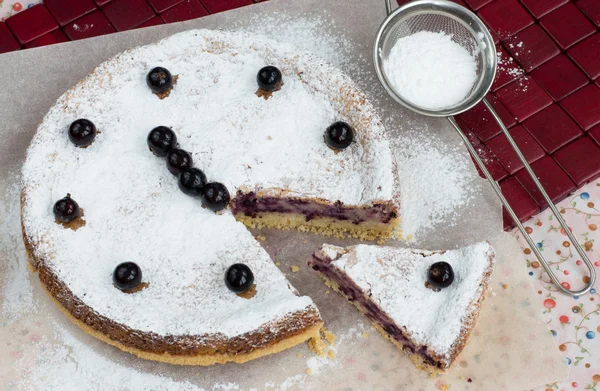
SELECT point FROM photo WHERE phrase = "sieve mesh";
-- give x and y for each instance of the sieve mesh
(450, 19)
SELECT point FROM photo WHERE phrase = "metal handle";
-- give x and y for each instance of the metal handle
(512, 214)
(388, 6)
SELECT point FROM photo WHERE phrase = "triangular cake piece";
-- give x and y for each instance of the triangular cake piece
(390, 287)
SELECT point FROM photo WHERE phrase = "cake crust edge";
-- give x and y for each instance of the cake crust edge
(309, 327)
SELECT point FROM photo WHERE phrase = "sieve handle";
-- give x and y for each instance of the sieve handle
(388, 6)
(513, 215)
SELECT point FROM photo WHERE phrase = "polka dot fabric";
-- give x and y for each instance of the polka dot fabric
(573, 321)
(11, 7)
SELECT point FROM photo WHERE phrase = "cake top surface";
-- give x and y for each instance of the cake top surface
(394, 278)
(133, 208)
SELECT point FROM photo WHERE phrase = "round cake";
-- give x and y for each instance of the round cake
(270, 149)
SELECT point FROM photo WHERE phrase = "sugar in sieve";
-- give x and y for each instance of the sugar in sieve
(470, 32)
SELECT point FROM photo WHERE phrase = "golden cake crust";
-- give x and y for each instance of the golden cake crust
(181, 350)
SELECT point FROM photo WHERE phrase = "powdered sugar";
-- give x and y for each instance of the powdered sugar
(430, 70)
(434, 181)
(16, 287)
(311, 34)
(394, 279)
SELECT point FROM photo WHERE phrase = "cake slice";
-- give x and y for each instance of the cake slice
(425, 302)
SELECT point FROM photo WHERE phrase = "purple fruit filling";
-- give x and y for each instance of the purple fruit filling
(354, 294)
(250, 205)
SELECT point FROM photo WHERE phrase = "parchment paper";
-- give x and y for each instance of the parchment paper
(510, 349)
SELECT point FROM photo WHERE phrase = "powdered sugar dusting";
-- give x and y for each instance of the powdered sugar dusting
(312, 34)
(16, 287)
(430, 70)
(394, 279)
(434, 181)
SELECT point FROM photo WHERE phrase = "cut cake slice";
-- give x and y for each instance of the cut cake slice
(389, 286)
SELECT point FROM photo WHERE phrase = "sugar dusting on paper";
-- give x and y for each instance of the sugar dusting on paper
(434, 181)
(15, 281)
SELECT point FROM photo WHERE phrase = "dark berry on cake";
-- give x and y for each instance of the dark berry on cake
(440, 275)
(215, 197)
(159, 80)
(127, 276)
(339, 135)
(82, 132)
(269, 78)
(66, 209)
(192, 181)
(239, 278)
(161, 140)
(177, 160)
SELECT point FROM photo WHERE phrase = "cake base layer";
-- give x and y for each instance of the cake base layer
(327, 226)
(200, 360)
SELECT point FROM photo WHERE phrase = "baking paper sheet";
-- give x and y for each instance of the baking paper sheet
(510, 349)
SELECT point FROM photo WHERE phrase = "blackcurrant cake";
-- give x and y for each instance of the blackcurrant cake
(138, 180)
(425, 302)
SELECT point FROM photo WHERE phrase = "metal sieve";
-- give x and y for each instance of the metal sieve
(470, 32)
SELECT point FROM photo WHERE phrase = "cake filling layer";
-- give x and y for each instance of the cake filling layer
(251, 205)
(354, 294)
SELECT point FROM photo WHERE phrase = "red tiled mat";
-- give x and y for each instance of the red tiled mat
(547, 86)
(591, 8)
(187, 10)
(501, 148)
(560, 77)
(523, 98)
(539, 8)
(555, 181)
(8, 43)
(531, 47)
(553, 128)
(567, 25)
(56, 36)
(587, 55)
(580, 160)
(31, 23)
(521, 202)
(91, 25)
(128, 14)
(65, 11)
(584, 106)
(505, 17)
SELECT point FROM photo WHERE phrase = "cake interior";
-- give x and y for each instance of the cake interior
(377, 220)
(382, 322)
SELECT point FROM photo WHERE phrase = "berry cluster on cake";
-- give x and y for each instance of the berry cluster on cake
(425, 302)
(161, 152)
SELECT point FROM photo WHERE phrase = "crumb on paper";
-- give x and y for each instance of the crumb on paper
(317, 346)
(295, 269)
(505, 286)
(321, 346)
(299, 355)
(308, 371)
(328, 336)
(365, 334)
